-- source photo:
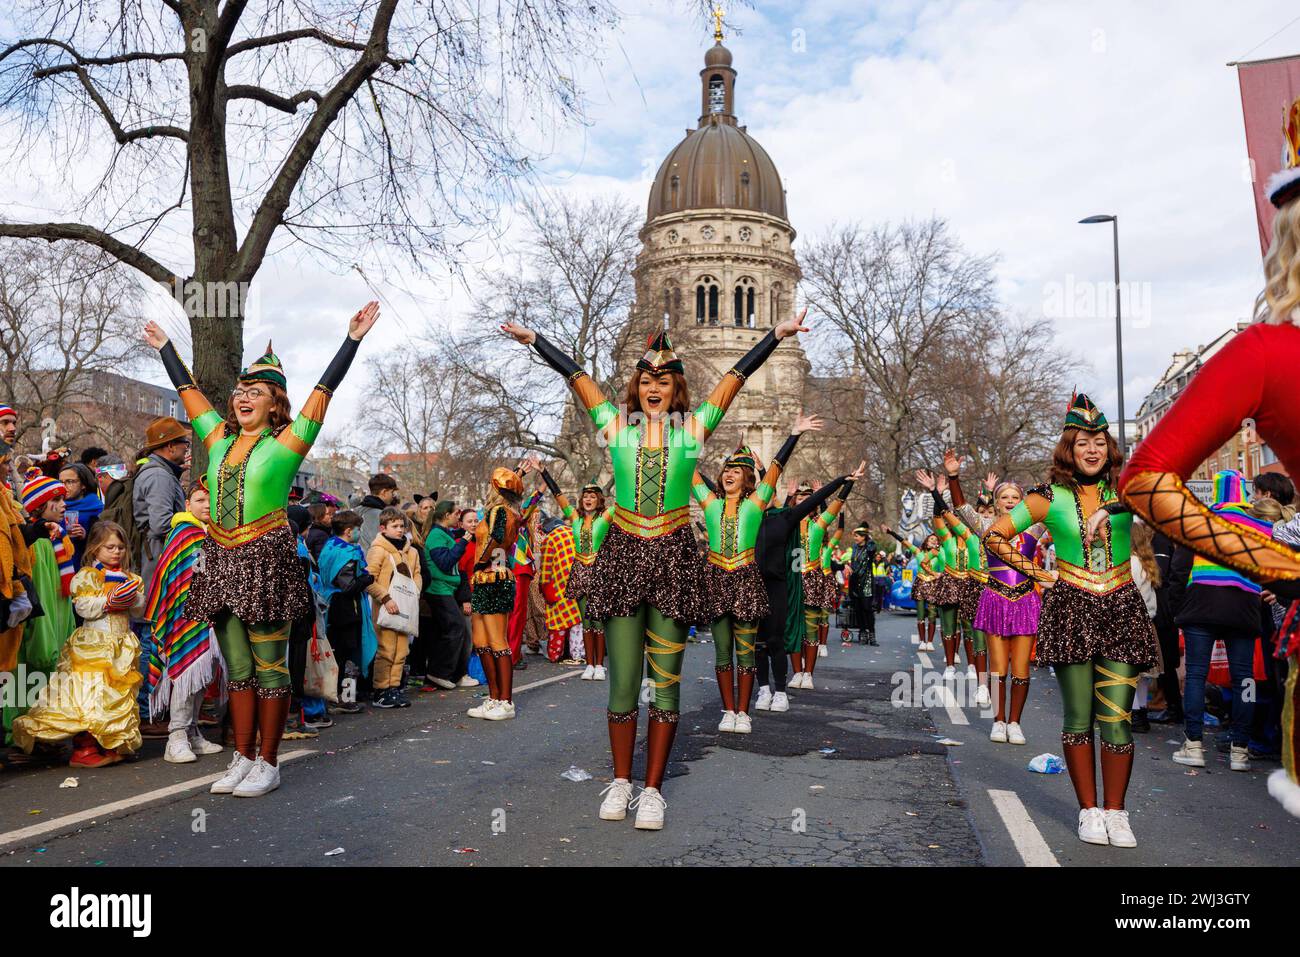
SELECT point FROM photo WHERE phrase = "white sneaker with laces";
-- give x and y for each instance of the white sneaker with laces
(263, 779)
(1118, 830)
(728, 722)
(743, 724)
(467, 682)
(500, 711)
(780, 702)
(998, 733)
(1092, 826)
(982, 697)
(599, 674)
(807, 682)
(201, 745)
(971, 673)
(821, 651)
(178, 749)
(1191, 754)
(481, 710)
(950, 673)
(618, 795)
(764, 700)
(1014, 734)
(589, 673)
(236, 771)
(1239, 758)
(649, 806)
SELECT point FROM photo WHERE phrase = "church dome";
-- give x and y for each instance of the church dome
(718, 164)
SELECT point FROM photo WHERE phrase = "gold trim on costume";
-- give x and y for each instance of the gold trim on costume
(735, 561)
(1117, 576)
(651, 526)
(242, 535)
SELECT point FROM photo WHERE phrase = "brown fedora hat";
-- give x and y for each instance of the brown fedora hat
(161, 431)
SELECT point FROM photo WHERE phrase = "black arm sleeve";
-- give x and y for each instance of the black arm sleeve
(896, 537)
(940, 506)
(752, 359)
(845, 489)
(556, 359)
(550, 482)
(339, 365)
(816, 500)
(175, 367)
(786, 450)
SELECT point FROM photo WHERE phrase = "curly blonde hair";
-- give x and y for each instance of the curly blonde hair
(1280, 298)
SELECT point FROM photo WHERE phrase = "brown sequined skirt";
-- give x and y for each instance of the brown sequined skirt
(739, 593)
(946, 591)
(970, 599)
(818, 589)
(1076, 625)
(260, 581)
(921, 589)
(579, 576)
(665, 572)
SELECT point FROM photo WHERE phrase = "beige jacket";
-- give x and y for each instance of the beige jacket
(380, 561)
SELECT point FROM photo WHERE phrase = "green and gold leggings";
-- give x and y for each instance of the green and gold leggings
(814, 618)
(589, 624)
(979, 640)
(744, 633)
(254, 650)
(948, 620)
(651, 637)
(1099, 690)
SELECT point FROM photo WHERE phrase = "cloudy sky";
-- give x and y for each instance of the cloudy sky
(1011, 119)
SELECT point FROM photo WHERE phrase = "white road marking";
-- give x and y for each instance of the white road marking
(1024, 834)
(955, 714)
(925, 660)
(104, 810)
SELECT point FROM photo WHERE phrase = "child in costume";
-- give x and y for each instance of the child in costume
(91, 697)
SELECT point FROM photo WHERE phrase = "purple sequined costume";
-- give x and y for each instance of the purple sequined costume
(1010, 604)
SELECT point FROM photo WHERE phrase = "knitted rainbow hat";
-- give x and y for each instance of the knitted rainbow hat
(1284, 185)
(266, 369)
(7, 410)
(1082, 414)
(39, 489)
(660, 357)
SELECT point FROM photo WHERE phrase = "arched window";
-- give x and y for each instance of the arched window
(699, 305)
(742, 312)
(675, 182)
(776, 303)
(744, 188)
(706, 300)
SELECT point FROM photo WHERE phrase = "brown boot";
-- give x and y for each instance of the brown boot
(726, 687)
(505, 676)
(1019, 692)
(487, 663)
(745, 691)
(598, 644)
(658, 745)
(242, 711)
(272, 711)
(622, 741)
(1116, 767)
(1079, 760)
(998, 689)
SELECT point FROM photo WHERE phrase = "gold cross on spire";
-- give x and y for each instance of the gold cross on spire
(717, 23)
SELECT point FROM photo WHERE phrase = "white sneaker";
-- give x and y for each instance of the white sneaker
(1117, 829)
(971, 673)
(1239, 758)
(589, 673)
(764, 700)
(618, 795)
(821, 651)
(467, 682)
(950, 673)
(743, 724)
(443, 683)
(481, 710)
(500, 711)
(807, 682)
(649, 806)
(780, 702)
(1092, 826)
(1192, 754)
(998, 733)
(1014, 734)
(982, 697)
(728, 722)
(178, 749)
(263, 779)
(236, 771)
(201, 745)
(599, 674)
(927, 646)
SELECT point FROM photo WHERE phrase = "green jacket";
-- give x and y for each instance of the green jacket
(442, 551)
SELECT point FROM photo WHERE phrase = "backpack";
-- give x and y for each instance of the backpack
(122, 511)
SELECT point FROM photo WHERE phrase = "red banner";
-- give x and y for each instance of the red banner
(1268, 88)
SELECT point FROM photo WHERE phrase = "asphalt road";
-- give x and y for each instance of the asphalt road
(845, 777)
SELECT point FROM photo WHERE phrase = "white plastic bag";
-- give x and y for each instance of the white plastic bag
(404, 593)
(320, 678)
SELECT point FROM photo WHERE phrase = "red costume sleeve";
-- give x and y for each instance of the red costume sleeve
(1249, 381)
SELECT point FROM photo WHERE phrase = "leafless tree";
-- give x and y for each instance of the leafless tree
(68, 315)
(357, 130)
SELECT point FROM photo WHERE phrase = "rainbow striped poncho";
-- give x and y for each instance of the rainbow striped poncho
(185, 657)
(1232, 502)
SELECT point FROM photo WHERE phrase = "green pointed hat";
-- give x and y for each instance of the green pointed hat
(743, 457)
(266, 369)
(1082, 414)
(593, 486)
(660, 356)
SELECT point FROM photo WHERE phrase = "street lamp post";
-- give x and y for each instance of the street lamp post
(1119, 337)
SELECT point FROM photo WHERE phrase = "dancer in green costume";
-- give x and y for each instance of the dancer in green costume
(590, 521)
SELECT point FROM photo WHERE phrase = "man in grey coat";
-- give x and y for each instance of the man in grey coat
(158, 494)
